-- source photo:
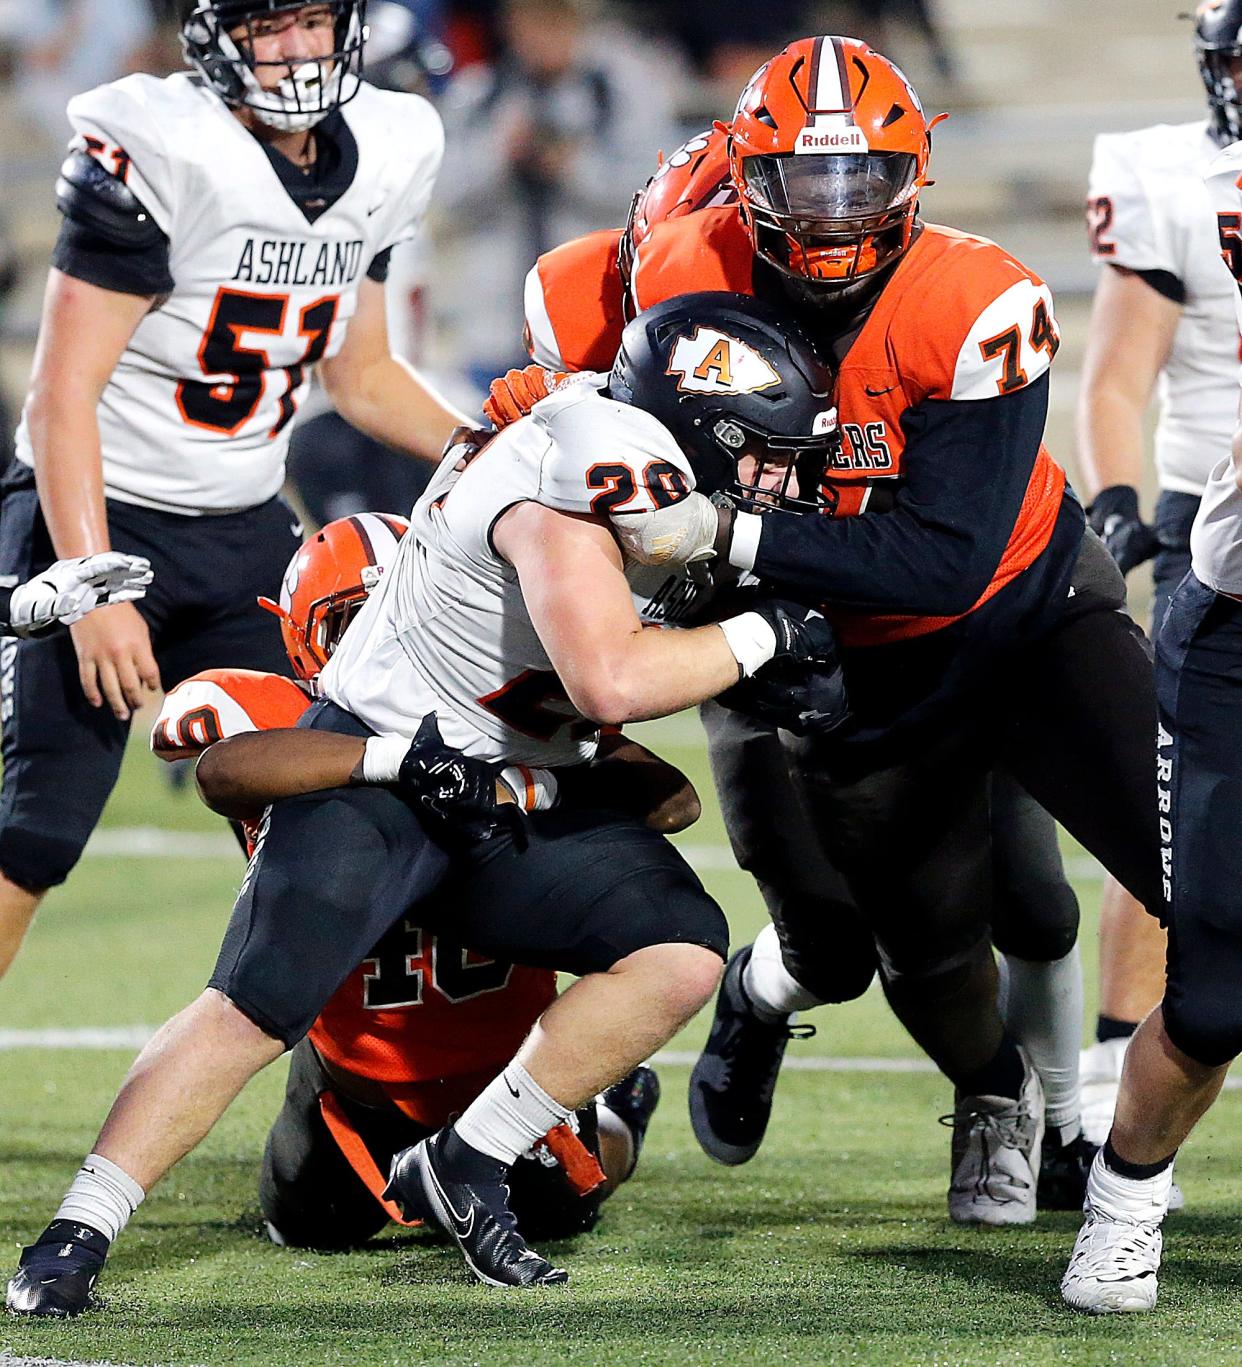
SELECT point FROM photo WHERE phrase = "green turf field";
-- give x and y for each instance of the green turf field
(831, 1246)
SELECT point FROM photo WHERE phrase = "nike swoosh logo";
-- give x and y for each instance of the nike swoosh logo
(875, 393)
(513, 1091)
(375, 208)
(463, 1226)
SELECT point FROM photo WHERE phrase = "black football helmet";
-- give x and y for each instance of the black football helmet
(308, 90)
(1218, 39)
(732, 377)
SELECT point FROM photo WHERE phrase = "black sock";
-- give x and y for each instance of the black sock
(1001, 1077)
(1136, 1172)
(465, 1163)
(1109, 1027)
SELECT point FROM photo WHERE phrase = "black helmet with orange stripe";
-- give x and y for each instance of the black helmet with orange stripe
(328, 580)
(1218, 45)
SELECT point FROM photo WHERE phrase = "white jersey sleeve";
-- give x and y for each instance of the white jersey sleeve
(605, 457)
(1216, 537)
(1126, 228)
(117, 125)
(412, 123)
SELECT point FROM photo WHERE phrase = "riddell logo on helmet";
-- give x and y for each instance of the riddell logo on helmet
(845, 139)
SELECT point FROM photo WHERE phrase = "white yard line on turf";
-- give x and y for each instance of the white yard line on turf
(157, 842)
(132, 1037)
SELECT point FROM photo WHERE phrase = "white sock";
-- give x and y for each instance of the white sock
(509, 1115)
(773, 991)
(102, 1195)
(1043, 1009)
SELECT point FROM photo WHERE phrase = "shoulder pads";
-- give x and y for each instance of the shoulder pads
(88, 194)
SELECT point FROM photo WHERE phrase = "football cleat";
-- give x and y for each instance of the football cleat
(475, 1215)
(1063, 1170)
(732, 1084)
(58, 1271)
(633, 1101)
(1099, 1070)
(995, 1155)
(1114, 1268)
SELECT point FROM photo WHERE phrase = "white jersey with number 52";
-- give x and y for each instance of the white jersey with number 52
(196, 416)
(448, 631)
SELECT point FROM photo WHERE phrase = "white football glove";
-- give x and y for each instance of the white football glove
(66, 591)
(682, 533)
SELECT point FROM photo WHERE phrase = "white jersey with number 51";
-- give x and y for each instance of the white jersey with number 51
(196, 416)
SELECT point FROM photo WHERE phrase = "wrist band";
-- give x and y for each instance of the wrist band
(744, 542)
(534, 790)
(751, 639)
(381, 758)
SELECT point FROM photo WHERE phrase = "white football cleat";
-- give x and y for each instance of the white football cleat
(996, 1151)
(1116, 1259)
(1099, 1071)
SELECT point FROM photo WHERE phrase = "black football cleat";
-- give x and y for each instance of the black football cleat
(732, 1084)
(58, 1271)
(475, 1214)
(1063, 1172)
(633, 1101)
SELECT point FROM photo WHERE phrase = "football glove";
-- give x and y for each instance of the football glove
(1114, 517)
(778, 629)
(453, 792)
(807, 699)
(516, 392)
(66, 591)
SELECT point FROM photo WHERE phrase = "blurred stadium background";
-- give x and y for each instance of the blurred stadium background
(832, 1246)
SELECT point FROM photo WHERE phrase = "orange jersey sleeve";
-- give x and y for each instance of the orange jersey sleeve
(573, 304)
(224, 702)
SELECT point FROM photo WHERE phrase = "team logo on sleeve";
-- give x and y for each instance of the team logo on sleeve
(712, 362)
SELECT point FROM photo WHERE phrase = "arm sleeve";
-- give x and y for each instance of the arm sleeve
(967, 467)
(88, 256)
(1124, 226)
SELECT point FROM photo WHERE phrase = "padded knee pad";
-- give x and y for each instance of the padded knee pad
(37, 862)
(1207, 1027)
(1040, 925)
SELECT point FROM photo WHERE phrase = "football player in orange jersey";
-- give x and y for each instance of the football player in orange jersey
(943, 342)
(420, 1027)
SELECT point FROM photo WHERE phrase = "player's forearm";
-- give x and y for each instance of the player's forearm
(64, 433)
(391, 402)
(650, 673)
(240, 776)
(1110, 438)
(628, 776)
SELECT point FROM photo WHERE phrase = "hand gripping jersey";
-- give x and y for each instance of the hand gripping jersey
(424, 1017)
(959, 319)
(196, 416)
(1149, 211)
(448, 631)
(1216, 537)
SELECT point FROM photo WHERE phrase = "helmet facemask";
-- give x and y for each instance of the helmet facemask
(1224, 96)
(770, 471)
(307, 90)
(831, 219)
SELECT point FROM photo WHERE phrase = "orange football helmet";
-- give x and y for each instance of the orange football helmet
(828, 150)
(328, 580)
(696, 176)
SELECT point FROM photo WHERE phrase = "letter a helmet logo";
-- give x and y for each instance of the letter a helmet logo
(712, 362)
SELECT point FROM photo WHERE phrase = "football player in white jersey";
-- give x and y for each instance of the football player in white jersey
(1163, 322)
(511, 618)
(1177, 1060)
(225, 231)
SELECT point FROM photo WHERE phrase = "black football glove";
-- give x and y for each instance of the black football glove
(1114, 517)
(807, 699)
(454, 793)
(802, 633)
